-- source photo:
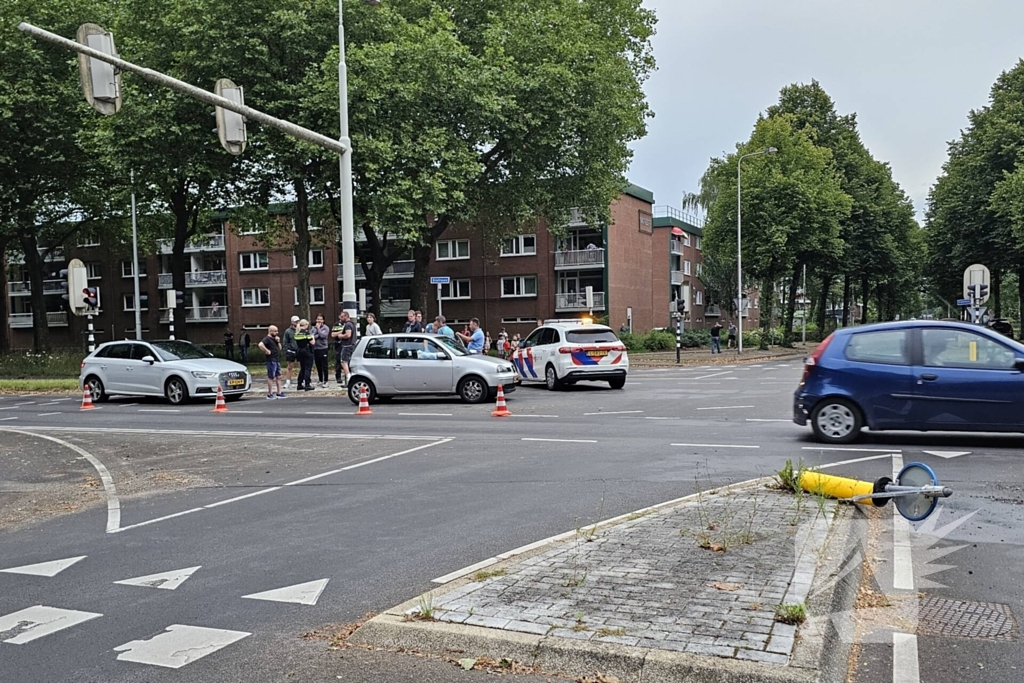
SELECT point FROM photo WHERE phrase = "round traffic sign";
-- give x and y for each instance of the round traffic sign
(917, 506)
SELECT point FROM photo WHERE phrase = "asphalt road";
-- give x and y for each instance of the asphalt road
(355, 514)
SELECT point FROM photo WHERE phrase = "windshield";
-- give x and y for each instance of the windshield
(590, 335)
(451, 345)
(180, 350)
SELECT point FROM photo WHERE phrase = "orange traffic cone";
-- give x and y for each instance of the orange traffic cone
(221, 406)
(364, 403)
(87, 399)
(501, 410)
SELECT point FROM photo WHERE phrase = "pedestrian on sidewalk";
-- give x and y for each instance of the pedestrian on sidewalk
(322, 336)
(443, 329)
(344, 345)
(305, 342)
(372, 328)
(732, 334)
(291, 351)
(229, 344)
(243, 345)
(474, 339)
(411, 324)
(271, 347)
(716, 338)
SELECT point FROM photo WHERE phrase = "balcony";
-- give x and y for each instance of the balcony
(200, 314)
(55, 255)
(578, 302)
(677, 277)
(53, 319)
(212, 242)
(49, 287)
(582, 258)
(676, 247)
(396, 270)
(202, 278)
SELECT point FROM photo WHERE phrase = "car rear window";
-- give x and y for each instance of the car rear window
(590, 336)
(881, 346)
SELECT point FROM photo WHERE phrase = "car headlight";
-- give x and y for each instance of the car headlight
(504, 368)
(202, 374)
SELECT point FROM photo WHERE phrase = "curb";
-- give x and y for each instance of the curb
(820, 658)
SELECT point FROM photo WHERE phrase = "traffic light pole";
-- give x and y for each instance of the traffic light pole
(170, 322)
(92, 336)
(679, 337)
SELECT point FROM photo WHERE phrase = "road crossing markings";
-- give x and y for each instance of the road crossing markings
(47, 569)
(166, 580)
(301, 593)
(614, 412)
(35, 622)
(711, 445)
(906, 667)
(723, 407)
(853, 450)
(562, 440)
(850, 462)
(178, 645)
(947, 454)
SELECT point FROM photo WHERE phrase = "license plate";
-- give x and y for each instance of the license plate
(597, 354)
(236, 382)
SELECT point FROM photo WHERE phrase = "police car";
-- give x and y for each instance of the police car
(559, 353)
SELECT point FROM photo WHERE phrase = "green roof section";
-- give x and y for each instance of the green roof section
(671, 221)
(639, 192)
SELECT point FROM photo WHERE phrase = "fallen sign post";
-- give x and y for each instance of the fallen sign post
(915, 492)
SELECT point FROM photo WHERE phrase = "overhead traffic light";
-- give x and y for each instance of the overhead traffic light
(101, 82)
(230, 125)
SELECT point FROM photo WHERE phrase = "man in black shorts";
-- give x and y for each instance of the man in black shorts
(271, 346)
(345, 344)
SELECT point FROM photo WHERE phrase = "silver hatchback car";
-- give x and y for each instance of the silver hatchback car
(423, 364)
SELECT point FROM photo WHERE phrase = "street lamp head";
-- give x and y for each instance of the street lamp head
(771, 150)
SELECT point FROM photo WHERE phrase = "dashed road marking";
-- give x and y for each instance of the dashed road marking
(35, 622)
(712, 445)
(178, 645)
(562, 440)
(760, 419)
(713, 374)
(301, 593)
(723, 407)
(159, 410)
(46, 414)
(852, 450)
(613, 412)
(165, 580)
(906, 667)
(902, 559)
(48, 569)
(5, 419)
(425, 414)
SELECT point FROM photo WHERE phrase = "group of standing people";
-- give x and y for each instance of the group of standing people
(306, 346)
(472, 335)
(716, 337)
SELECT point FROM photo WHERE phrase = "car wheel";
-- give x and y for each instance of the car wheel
(355, 390)
(551, 379)
(836, 420)
(176, 391)
(96, 390)
(473, 389)
(617, 383)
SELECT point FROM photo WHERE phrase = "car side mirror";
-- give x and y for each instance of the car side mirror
(148, 359)
(1018, 364)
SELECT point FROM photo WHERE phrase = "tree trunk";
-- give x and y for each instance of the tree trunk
(826, 285)
(302, 244)
(846, 300)
(179, 261)
(767, 297)
(5, 340)
(865, 290)
(880, 311)
(382, 256)
(418, 296)
(34, 264)
(997, 299)
(791, 305)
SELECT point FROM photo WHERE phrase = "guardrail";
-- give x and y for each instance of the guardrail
(53, 319)
(202, 278)
(396, 269)
(212, 242)
(578, 302)
(581, 258)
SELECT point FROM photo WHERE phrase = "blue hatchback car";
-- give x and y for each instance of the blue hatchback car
(916, 375)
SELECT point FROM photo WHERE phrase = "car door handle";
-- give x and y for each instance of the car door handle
(929, 377)
(396, 367)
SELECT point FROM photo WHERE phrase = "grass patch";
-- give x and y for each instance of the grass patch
(788, 478)
(791, 614)
(483, 575)
(18, 386)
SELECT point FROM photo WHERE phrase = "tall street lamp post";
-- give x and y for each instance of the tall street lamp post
(739, 244)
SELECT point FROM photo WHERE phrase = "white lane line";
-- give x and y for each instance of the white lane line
(26, 403)
(525, 415)
(291, 483)
(711, 445)
(14, 407)
(853, 450)
(902, 558)
(662, 418)
(178, 645)
(125, 405)
(35, 622)
(158, 410)
(51, 403)
(226, 433)
(906, 666)
(850, 462)
(782, 366)
(247, 412)
(46, 414)
(113, 504)
(759, 419)
(5, 419)
(614, 412)
(424, 414)
(561, 440)
(327, 412)
(724, 407)
(713, 374)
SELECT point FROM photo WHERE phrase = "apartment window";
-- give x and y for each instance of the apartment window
(94, 270)
(686, 267)
(518, 321)
(698, 297)
(698, 243)
(128, 270)
(254, 260)
(520, 285)
(523, 245)
(253, 229)
(700, 269)
(255, 297)
(88, 239)
(457, 289)
(316, 259)
(316, 295)
(449, 250)
(312, 228)
(129, 302)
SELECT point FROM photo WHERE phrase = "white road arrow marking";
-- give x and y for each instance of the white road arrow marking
(948, 454)
(50, 569)
(178, 645)
(301, 593)
(35, 622)
(166, 580)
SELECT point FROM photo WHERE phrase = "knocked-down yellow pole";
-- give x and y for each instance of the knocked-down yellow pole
(843, 488)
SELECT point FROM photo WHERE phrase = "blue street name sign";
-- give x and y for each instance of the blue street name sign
(963, 302)
(445, 280)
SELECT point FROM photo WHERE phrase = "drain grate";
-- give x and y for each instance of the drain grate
(963, 619)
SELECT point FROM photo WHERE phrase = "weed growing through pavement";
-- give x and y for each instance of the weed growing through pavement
(424, 611)
(724, 526)
(788, 478)
(485, 574)
(795, 614)
(608, 632)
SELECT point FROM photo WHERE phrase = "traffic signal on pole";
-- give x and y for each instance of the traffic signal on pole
(681, 306)
(91, 297)
(175, 298)
(230, 125)
(101, 82)
(982, 291)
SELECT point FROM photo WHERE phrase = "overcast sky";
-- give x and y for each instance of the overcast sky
(910, 69)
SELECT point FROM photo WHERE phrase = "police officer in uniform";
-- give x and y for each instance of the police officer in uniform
(305, 341)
